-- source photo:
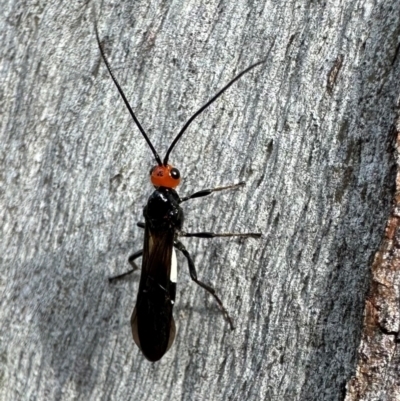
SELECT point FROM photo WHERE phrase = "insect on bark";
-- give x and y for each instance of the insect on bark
(153, 326)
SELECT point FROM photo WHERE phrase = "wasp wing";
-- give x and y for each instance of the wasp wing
(153, 326)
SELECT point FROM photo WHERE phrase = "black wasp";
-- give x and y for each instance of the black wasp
(153, 326)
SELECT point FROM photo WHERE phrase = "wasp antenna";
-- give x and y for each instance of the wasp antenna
(202, 108)
(103, 55)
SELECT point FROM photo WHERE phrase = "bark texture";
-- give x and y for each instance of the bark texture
(311, 132)
(377, 374)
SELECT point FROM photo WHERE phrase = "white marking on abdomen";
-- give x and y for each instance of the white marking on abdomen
(174, 267)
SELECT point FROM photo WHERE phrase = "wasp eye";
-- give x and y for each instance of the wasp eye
(175, 174)
(151, 170)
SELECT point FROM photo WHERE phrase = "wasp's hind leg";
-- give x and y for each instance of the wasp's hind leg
(205, 192)
(130, 260)
(193, 274)
(132, 263)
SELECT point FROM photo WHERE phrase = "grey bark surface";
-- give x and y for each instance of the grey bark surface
(311, 132)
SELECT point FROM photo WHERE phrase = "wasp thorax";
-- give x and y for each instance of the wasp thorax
(165, 176)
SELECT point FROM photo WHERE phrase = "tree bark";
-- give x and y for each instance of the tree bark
(378, 364)
(312, 133)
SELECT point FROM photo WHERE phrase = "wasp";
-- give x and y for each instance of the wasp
(152, 322)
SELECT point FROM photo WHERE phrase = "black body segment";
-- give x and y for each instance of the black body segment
(153, 326)
(152, 322)
(162, 212)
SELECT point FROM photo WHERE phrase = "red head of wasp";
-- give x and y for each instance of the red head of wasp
(152, 322)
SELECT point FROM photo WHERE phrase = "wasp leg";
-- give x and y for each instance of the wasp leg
(131, 259)
(193, 274)
(140, 224)
(205, 192)
(214, 235)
